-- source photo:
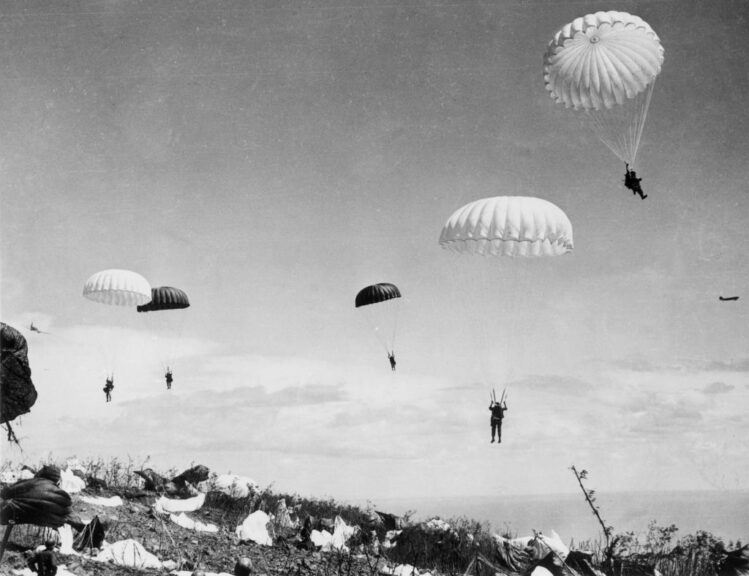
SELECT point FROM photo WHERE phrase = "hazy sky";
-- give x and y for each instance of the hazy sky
(273, 158)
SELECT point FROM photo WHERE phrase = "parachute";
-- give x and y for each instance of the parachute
(34, 501)
(377, 293)
(379, 305)
(604, 66)
(508, 226)
(17, 392)
(166, 299)
(115, 289)
(501, 230)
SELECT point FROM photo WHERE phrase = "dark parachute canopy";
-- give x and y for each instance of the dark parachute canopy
(17, 392)
(377, 293)
(35, 501)
(165, 298)
(382, 318)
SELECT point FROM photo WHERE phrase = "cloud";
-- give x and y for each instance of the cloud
(718, 388)
(566, 385)
(648, 365)
(741, 365)
(665, 418)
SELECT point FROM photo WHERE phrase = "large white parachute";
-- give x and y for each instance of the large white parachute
(503, 246)
(604, 65)
(508, 226)
(119, 291)
(117, 288)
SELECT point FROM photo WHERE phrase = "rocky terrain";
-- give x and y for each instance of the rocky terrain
(184, 550)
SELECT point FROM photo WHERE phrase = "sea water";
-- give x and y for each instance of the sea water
(724, 514)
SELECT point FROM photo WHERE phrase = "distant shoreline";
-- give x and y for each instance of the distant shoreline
(723, 513)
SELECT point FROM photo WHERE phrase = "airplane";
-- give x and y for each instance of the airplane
(728, 298)
(35, 329)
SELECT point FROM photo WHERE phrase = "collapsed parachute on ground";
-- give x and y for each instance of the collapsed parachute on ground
(379, 305)
(508, 226)
(35, 501)
(604, 66)
(165, 298)
(117, 288)
(17, 392)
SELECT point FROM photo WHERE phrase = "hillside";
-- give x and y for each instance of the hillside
(126, 521)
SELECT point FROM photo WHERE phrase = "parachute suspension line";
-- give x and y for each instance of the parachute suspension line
(512, 310)
(496, 276)
(620, 127)
(395, 327)
(376, 326)
(470, 282)
(642, 115)
(479, 319)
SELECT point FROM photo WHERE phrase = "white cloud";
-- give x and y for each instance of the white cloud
(718, 388)
(263, 415)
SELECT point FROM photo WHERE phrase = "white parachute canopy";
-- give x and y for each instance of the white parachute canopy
(117, 288)
(119, 291)
(604, 65)
(508, 226)
(509, 232)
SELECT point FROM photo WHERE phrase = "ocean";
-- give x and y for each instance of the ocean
(724, 514)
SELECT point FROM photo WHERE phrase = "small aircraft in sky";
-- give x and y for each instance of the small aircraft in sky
(728, 298)
(35, 329)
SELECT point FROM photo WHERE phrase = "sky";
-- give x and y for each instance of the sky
(273, 158)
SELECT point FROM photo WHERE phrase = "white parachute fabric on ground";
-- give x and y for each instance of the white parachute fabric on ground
(508, 226)
(111, 502)
(255, 529)
(322, 539)
(342, 533)
(230, 484)
(186, 522)
(403, 570)
(519, 542)
(191, 572)
(543, 544)
(71, 483)
(65, 534)
(541, 571)
(129, 553)
(168, 505)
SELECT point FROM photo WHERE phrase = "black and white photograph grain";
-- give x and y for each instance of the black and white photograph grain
(374, 287)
